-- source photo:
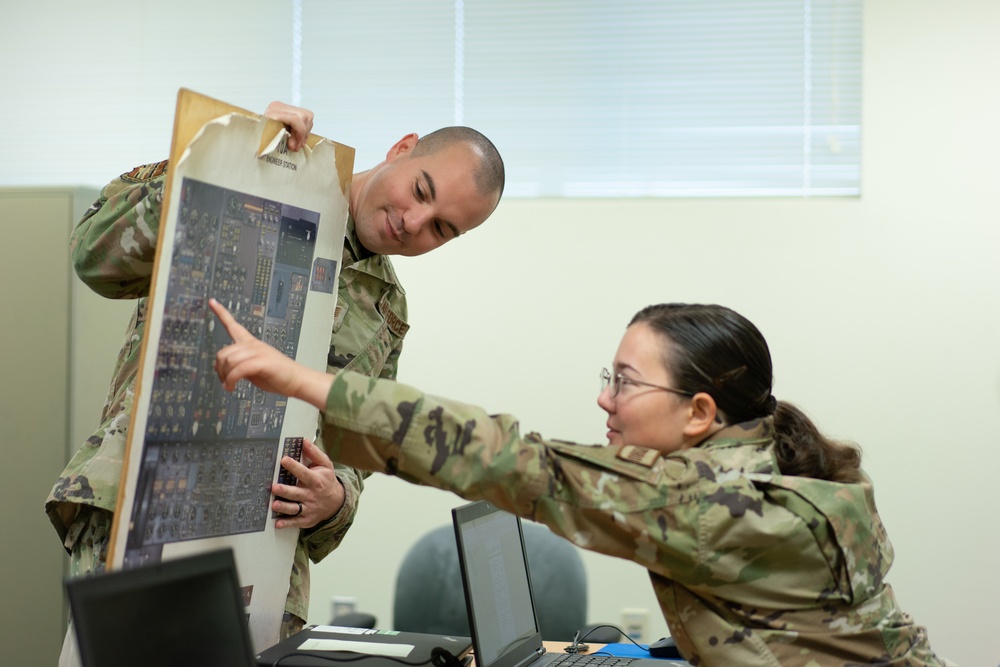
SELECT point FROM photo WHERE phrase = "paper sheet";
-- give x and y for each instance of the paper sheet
(262, 232)
(368, 648)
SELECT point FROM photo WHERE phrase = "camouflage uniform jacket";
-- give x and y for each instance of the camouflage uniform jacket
(113, 248)
(750, 567)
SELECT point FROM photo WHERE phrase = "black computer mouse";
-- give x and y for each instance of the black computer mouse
(664, 648)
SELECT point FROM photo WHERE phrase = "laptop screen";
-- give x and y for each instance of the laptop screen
(185, 611)
(497, 586)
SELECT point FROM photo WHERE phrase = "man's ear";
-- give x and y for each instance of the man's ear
(701, 416)
(402, 147)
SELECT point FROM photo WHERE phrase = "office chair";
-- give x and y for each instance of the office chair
(429, 596)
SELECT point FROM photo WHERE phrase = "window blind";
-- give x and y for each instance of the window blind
(589, 98)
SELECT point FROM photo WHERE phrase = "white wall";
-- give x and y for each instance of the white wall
(883, 313)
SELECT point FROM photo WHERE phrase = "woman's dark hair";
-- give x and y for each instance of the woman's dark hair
(718, 351)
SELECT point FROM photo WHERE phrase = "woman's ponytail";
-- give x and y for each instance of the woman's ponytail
(805, 452)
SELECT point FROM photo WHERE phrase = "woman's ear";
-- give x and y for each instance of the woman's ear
(702, 416)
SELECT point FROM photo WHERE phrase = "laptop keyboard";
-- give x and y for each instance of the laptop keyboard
(595, 660)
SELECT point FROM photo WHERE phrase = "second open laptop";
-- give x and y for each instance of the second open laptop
(185, 612)
(502, 620)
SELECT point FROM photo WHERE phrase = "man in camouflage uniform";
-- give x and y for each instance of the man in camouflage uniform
(425, 193)
(750, 566)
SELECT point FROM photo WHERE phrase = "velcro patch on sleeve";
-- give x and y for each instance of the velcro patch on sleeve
(146, 172)
(640, 455)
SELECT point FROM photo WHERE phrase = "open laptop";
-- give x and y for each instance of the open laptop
(185, 612)
(494, 567)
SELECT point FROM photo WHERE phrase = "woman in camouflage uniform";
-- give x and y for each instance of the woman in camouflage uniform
(760, 535)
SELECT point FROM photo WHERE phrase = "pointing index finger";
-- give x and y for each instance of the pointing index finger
(236, 330)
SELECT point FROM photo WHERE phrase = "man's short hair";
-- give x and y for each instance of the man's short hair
(490, 175)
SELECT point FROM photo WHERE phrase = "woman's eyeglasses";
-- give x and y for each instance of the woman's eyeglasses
(617, 381)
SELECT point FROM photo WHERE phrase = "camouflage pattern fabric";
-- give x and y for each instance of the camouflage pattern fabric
(92, 532)
(113, 248)
(750, 567)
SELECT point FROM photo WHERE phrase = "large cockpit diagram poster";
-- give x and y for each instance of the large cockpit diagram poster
(261, 229)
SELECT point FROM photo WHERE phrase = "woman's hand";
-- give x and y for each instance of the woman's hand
(251, 359)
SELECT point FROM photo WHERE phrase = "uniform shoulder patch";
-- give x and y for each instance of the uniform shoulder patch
(640, 455)
(146, 172)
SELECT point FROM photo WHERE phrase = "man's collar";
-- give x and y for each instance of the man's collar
(353, 244)
(359, 258)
